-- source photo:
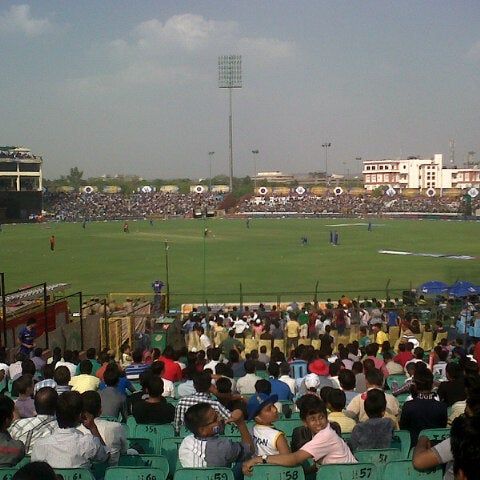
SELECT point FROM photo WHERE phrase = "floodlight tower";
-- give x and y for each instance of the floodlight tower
(326, 146)
(230, 76)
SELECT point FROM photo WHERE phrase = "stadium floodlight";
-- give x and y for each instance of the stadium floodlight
(326, 146)
(210, 155)
(230, 76)
(255, 153)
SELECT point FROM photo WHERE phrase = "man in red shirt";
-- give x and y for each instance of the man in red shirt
(172, 371)
(405, 354)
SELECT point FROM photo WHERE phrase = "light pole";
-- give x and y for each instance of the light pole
(167, 277)
(230, 76)
(255, 153)
(326, 146)
(210, 155)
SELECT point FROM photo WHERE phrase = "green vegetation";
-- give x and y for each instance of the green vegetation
(267, 258)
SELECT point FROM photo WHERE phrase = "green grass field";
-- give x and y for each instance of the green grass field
(268, 257)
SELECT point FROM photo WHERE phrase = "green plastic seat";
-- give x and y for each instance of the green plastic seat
(275, 472)
(405, 470)
(26, 459)
(75, 473)
(110, 418)
(400, 379)
(401, 439)
(169, 450)
(436, 435)
(287, 426)
(218, 473)
(142, 445)
(131, 425)
(347, 471)
(144, 460)
(134, 473)
(379, 457)
(7, 473)
(155, 433)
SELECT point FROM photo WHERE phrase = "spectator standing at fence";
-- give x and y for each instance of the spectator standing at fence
(292, 331)
(26, 337)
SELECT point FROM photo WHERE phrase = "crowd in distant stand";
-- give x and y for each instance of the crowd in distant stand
(354, 204)
(337, 388)
(104, 206)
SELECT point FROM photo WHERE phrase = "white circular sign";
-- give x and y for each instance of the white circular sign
(391, 191)
(146, 189)
(431, 192)
(300, 190)
(199, 189)
(473, 192)
(88, 189)
(263, 190)
(338, 191)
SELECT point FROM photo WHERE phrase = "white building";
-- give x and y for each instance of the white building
(20, 170)
(418, 173)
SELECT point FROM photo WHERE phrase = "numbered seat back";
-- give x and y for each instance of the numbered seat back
(217, 473)
(155, 433)
(151, 461)
(134, 473)
(436, 435)
(75, 473)
(349, 471)
(287, 426)
(7, 473)
(379, 457)
(169, 450)
(405, 470)
(402, 440)
(275, 472)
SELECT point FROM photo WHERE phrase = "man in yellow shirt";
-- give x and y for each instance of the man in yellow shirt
(336, 400)
(85, 381)
(292, 332)
(379, 335)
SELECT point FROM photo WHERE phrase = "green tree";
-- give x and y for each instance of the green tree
(74, 178)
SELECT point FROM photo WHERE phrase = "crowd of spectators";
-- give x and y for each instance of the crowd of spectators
(346, 204)
(331, 371)
(110, 206)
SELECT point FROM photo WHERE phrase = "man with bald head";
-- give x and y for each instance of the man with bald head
(29, 430)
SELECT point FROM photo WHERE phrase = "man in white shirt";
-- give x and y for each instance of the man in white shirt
(68, 447)
(112, 433)
(68, 362)
(157, 369)
(15, 369)
(240, 325)
(213, 355)
(246, 384)
(204, 340)
(286, 378)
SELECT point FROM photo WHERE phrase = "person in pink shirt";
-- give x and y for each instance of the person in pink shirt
(371, 351)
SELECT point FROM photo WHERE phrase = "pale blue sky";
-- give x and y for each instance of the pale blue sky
(117, 86)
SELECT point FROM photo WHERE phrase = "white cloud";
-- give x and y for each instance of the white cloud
(474, 52)
(266, 48)
(18, 19)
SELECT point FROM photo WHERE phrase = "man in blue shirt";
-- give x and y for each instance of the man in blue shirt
(279, 388)
(26, 337)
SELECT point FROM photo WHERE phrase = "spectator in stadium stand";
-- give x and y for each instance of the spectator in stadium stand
(26, 337)
(279, 388)
(113, 402)
(286, 378)
(157, 369)
(336, 401)
(28, 368)
(374, 380)
(35, 471)
(186, 388)
(259, 365)
(371, 352)
(67, 362)
(231, 343)
(62, 378)
(292, 332)
(112, 433)
(137, 367)
(154, 409)
(364, 339)
(246, 384)
(404, 353)
(91, 354)
(377, 431)
(56, 356)
(173, 371)
(37, 359)
(105, 359)
(29, 430)
(48, 381)
(424, 410)
(418, 354)
(24, 404)
(359, 368)
(213, 356)
(203, 387)
(378, 334)
(346, 378)
(237, 364)
(85, 381)
(67, 447)
(393, 368)
(453, 390)
(11, 451)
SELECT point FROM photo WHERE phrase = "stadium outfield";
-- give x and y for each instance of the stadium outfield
(267, 258)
